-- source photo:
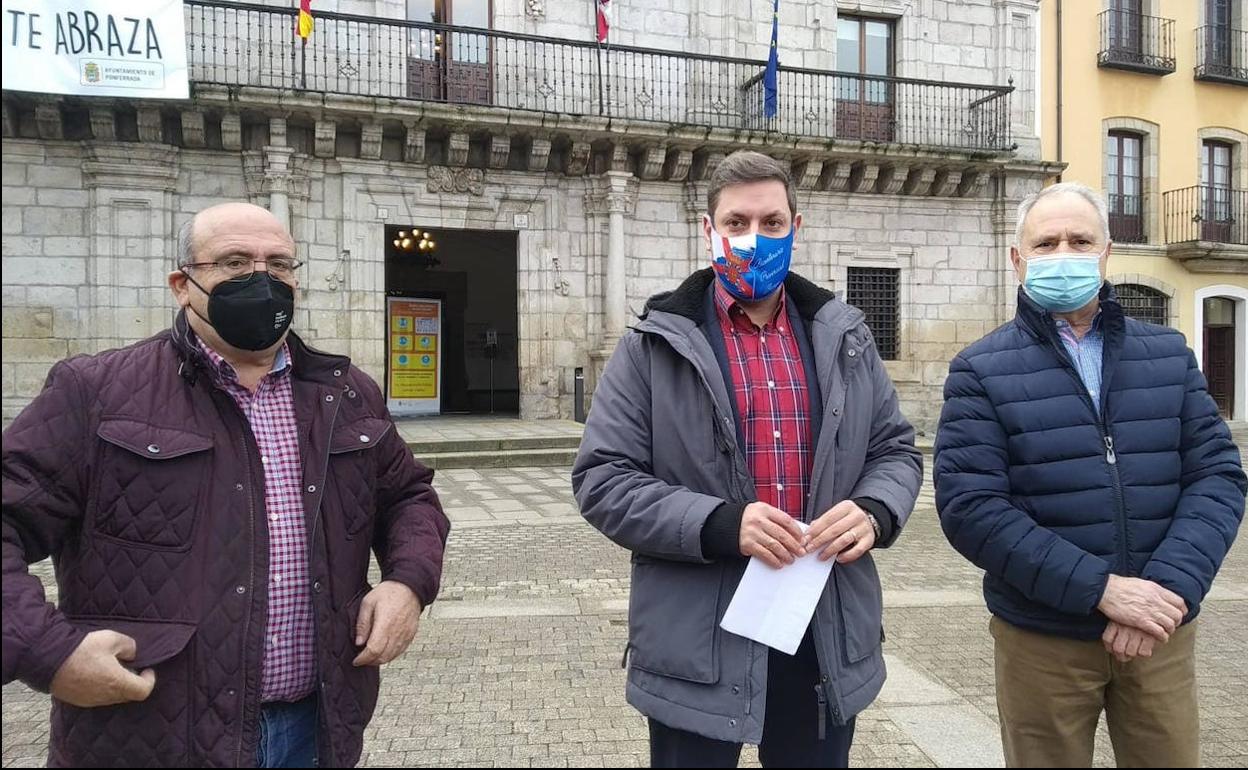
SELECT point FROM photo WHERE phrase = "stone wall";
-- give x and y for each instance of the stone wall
(89, 235)
(607, 208)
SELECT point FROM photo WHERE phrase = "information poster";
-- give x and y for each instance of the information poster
(414, 384)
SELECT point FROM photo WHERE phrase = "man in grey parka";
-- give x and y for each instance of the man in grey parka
(742, 402)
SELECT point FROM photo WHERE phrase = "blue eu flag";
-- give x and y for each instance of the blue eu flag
(773, 65)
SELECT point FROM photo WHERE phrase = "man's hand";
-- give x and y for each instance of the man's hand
(771, 535)
(844, 532)
(94, 676)
(1144, 605)
(1126, 643)
(387, 623)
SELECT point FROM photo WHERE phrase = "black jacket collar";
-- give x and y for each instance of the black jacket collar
(688, 299)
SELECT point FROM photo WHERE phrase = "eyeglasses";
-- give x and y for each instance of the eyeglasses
(241, 268)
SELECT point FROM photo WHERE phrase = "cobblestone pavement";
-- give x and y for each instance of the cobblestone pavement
(518, 663)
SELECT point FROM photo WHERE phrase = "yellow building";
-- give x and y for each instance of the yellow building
(1147, 100)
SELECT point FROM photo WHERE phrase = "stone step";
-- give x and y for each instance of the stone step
(506, 458)
(423, 447)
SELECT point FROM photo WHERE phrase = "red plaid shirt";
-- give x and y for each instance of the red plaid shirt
(769, 382)
(289, 671)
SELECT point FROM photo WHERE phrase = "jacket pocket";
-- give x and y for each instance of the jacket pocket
(152, 483)
(364, 682)
(861, 607)
(673, 619)
(353, 468)
(150, 733)
(156, 641)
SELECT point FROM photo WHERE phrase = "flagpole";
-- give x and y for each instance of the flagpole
(600, 112)
(303, 28)
(603, 30)
(608, 67)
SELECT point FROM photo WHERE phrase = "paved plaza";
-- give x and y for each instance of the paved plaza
(518, 663)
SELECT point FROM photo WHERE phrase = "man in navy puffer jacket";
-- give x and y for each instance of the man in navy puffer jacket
(1081, 463)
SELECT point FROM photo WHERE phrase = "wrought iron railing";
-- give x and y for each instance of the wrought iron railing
(239, 44)
(1222, 54)
(1136, 42)
(1206, 213)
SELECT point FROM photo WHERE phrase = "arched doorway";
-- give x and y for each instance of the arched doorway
(1221, 346)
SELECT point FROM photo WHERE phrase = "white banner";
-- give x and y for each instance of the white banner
(133, 48)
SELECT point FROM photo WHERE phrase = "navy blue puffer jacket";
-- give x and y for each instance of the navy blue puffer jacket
(1049, 497)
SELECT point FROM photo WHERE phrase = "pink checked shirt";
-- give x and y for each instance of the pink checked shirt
(289, 671)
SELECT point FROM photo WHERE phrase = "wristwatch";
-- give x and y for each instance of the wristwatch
(875, 525)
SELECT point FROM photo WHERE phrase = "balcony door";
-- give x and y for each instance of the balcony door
(864, 106)
(447, 65)
(1216, 216)
(1126, 199)
(1218, 34)
(1126, 31)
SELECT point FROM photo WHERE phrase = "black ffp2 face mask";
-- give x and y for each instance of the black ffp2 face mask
(251, 314)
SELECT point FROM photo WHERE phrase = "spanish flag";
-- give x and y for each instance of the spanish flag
(305, 19)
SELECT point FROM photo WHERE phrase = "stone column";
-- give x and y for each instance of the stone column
(619, 196)
(277, 171)
(695, 209)
(277, 181)
(615, 196)
(617, 281)
(1003, 219)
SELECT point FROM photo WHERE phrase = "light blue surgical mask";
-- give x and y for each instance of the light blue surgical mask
(1063, 283)
(751, 266)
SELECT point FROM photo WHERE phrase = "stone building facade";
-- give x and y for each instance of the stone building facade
(603, 205)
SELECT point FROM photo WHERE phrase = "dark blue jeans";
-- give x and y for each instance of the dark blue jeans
(288, 734)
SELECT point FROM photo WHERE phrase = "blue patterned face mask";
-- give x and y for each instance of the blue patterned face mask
(751, 266)
(1063, 283)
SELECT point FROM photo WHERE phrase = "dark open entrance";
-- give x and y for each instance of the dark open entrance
(473, 273)
(1219, 353)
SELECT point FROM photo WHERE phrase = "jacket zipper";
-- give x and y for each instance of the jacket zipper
(749, 687)
(316, 637)
(722, 425)
(823, 710)
(822, 687)
(1111, 456)
(251, 588)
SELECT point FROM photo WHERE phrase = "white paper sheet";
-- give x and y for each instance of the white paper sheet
(774, 606)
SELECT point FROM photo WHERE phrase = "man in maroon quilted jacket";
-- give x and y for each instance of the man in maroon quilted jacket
(210, 498)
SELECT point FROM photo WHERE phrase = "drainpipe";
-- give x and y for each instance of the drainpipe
(1059, 85)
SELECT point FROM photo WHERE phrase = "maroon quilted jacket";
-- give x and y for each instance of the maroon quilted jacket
(143, 482)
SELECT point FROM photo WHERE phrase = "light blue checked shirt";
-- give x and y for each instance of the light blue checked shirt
(1087, 354)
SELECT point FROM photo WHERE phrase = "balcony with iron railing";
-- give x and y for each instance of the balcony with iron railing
(1133, 41)
(1205, 213)
(1207, 228)
(244, 46)
(1222, 55)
